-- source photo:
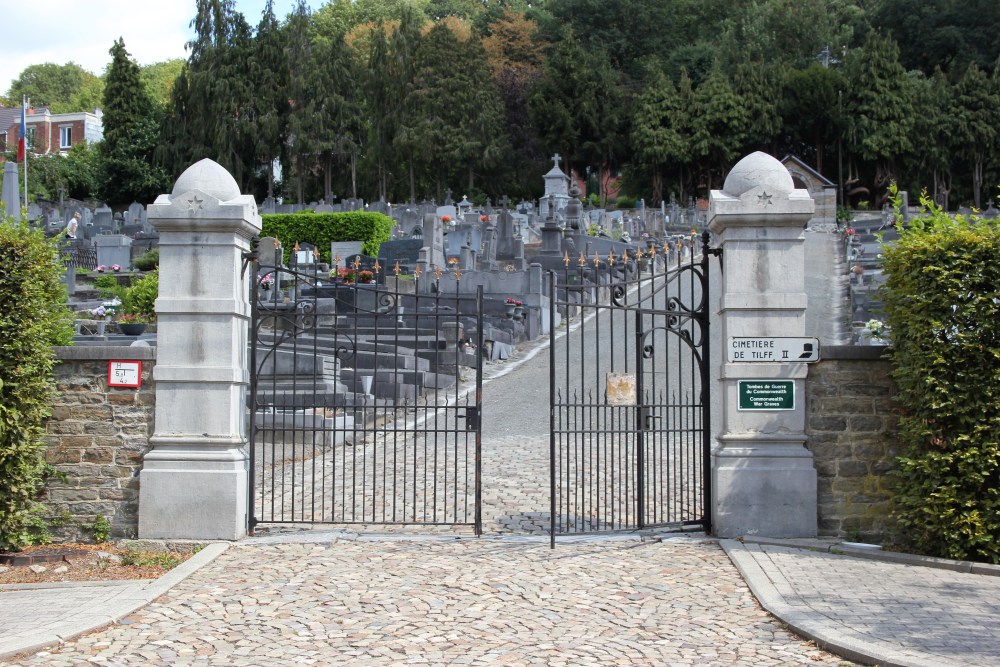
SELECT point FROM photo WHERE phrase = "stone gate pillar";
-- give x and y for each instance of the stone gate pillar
(763, 479)
(193, 483)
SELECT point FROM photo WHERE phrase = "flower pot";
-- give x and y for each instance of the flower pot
(132, 328)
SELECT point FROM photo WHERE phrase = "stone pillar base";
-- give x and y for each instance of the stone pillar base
(193, 492)
(765, 486)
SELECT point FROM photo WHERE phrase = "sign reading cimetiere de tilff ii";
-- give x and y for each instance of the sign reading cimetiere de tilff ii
(772, 349)
(766, 394)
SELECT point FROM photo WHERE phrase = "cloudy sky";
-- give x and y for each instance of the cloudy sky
(153, 30)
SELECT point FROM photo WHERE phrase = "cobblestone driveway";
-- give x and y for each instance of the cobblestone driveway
(398, 601)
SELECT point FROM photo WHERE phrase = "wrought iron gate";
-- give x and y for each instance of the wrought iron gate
(364, 397)
(629, 391)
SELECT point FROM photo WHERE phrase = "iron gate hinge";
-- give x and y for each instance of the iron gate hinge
(252, 255)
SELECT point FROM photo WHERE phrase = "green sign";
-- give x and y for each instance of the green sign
(767, 394)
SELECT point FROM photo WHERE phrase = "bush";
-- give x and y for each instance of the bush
(320, 229)
(624, 201)
(139, 298)
(148, 260)
(33, 318)
(941, 303)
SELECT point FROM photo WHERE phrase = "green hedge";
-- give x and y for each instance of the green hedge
(33, 318)
(322, 228)
(941, 302)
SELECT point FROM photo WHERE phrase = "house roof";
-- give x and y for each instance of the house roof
(799, 164)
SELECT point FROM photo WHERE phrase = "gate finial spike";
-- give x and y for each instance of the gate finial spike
(396, 268)
(611, 257)
(597, 260)
(566, 258)
(583, 260)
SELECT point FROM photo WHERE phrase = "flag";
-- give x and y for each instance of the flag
(22, 135)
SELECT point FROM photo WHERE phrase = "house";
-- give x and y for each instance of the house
(48, 132)
(821, 189)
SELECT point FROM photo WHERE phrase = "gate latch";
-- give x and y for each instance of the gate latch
(646, 419)
(471, 418)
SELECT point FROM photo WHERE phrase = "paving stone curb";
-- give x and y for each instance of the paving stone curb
(766, 583)
(874, 552)
(133, 595)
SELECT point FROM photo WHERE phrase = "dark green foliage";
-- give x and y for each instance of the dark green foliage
(946, 33)
(63, 88)
(147, 261)
(33, 318)
(127, 172)
(941, 303)
(322, 228)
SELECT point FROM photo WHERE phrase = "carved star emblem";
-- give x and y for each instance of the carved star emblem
(764, 199)
(195, 204)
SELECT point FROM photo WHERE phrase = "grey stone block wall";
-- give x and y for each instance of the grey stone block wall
(851, 429)
(95, 439)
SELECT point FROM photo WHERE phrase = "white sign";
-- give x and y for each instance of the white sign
(802, 350)
(124, 373)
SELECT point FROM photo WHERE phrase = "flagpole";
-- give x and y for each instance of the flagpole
(24, 128)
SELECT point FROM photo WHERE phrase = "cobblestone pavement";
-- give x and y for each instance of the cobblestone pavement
(895, 613)
(454, 602)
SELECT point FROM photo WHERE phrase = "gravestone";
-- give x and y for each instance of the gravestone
(304, 254)
(340, 250)
(10, 197)
(114, 249)
(104, 219)
(556, 191)
(404, 251)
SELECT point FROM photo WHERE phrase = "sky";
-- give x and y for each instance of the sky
(153, 30)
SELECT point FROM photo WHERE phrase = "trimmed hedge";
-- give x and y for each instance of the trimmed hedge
(322, 228)
(941, 302)
(33, 318)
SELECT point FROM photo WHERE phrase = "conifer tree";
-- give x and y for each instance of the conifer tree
(127, 171)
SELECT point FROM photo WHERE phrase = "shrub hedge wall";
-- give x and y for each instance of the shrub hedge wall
(942, 301)
(322, 228)
(33, 318)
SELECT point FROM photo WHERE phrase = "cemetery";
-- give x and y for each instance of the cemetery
(343, 342)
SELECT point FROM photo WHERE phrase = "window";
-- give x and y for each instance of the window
(3, 141)
(29, 138)
(65, 137)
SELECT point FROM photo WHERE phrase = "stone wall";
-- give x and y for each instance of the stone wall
(851, 430)
(95, 439)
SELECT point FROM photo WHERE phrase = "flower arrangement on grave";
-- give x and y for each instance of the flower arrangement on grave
(366, 277)
(876, 329)
(849, 231)
(108, 309)
(116, 268)
(453, 261)
(266, 281)
(446, 219)
(132, 318)
(509, 268)
(514, 302)
(101, 268)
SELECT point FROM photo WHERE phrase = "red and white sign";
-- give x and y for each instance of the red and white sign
(124, 373)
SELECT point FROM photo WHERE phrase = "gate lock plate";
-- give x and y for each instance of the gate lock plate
(471, 418)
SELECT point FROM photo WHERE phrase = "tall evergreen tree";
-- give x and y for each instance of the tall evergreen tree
(131, 134)
(658, 123)
(978, 106)
(719, 121)
(810, 112)
(936, 125)
(269, 112)
(879, 108)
